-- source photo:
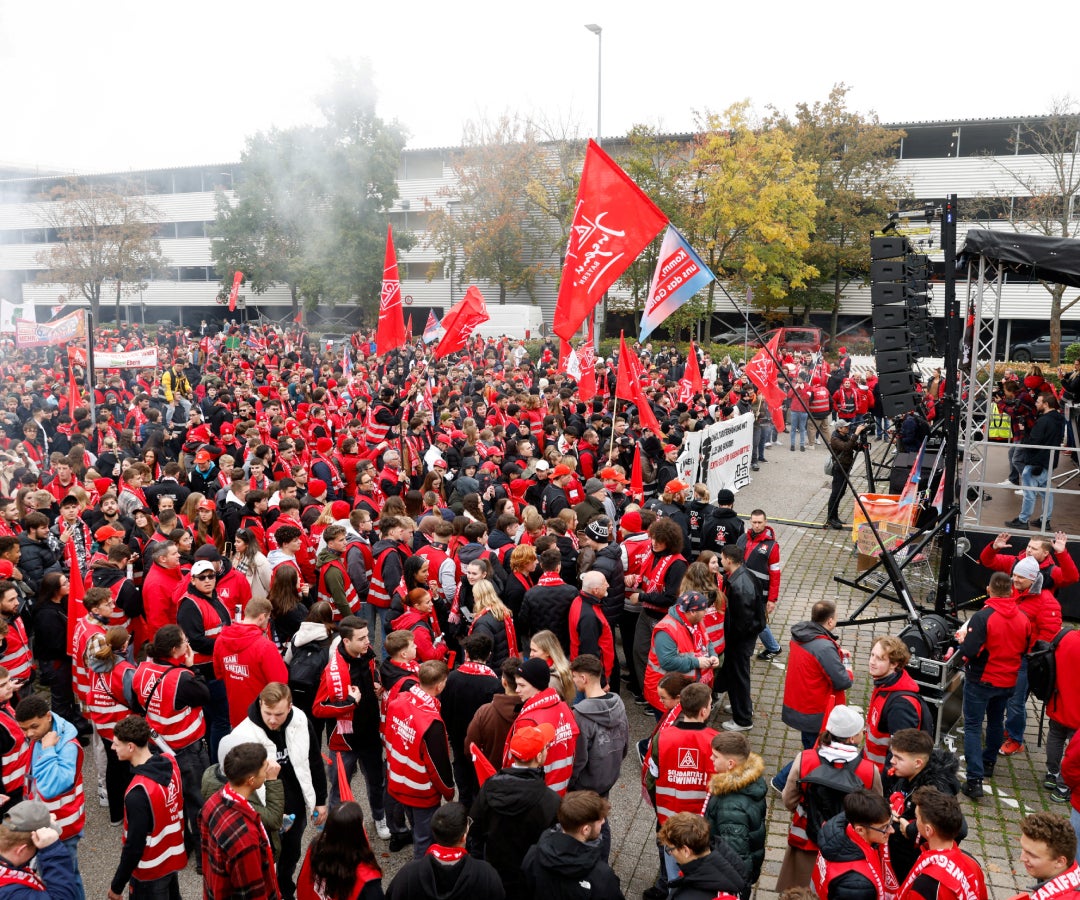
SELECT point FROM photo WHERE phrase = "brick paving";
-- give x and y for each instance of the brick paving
(790, 486)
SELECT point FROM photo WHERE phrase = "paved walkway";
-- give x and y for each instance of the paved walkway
(790, 486)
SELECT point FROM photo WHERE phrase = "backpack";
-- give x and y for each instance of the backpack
(823, 792)
(927, 720)
(1042, 667)
(305, 670)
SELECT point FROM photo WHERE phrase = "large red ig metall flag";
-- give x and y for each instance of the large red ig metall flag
(613, 222)
(391, 331)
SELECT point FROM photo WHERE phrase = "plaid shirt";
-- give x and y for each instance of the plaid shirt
(237, 860)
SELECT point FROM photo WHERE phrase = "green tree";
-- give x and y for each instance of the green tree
(853, 158)
(105, 234)
(752, 208)
(1040, 191)
(310, 209)
(489, 226)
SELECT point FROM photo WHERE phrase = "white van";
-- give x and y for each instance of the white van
(518, 321)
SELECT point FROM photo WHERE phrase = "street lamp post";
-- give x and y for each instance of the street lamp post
(598, 31)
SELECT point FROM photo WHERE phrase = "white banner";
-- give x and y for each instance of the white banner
(719, 456)
(147, 358)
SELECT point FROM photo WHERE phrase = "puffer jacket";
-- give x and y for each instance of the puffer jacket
(735, 811)
(702, 879)
(837, 846)
(941, 772)
(609, 561)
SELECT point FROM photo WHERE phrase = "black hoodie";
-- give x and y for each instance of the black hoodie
(140, 818)
(467, 879)
(703, 878)
(837, 846)
(560, 867)
(509, 814)
(106, 575)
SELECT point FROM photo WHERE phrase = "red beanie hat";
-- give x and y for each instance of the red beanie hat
(316, 487)
(324, 445)
(339, 509)
(102, 485)
(631, 521)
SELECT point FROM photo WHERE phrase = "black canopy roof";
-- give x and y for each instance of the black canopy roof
(1051, 258)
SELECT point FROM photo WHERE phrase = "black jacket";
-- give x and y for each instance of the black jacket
(467, 879)
(745, 615)
(36, 560)
(559, 867)
(512, 810)
(703, 878)
(722, 526)
(546, 607)
(463, 695)
(1049, 429)
(609, 561)
(836, 846)
(940, 772)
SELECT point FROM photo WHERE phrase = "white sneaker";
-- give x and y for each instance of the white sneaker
(732, 725)
(1006, 483)
(1019, 493)
(768, 444)
(382, 830)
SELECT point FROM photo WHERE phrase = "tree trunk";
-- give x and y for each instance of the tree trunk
(119, 286)
(95, 303)
(835, 323)
(295, 303)
(1057, 291)
(502, 295)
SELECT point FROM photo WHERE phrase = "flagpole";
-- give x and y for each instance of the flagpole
(89, 376)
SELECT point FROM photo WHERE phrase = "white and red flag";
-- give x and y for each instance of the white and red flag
(391, 331)
(460, 320)
(762, 371)
(432, 328)
(690, 384)
(613, 222)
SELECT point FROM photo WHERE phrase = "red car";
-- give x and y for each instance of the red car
(797, 337)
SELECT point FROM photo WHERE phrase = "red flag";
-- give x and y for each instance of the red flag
(628, 387)
(613, 222)
(637, 483)
(236, 279)
(77, 591)
(299, 318)
(344, 788)
(690, 384)
(482, 765)
(762, 371)
(459, 322)
(564, 354)
(587, 363)
(391, 331)
(408, 330)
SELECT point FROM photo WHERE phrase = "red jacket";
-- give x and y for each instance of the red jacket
(420, 625)
(1055, 574)
(247, 661)
(1064, 706)
(997, 638)
(1044, 610)
(159, 597)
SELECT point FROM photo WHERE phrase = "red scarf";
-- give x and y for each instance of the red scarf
(550, 579)
(475, 668)
(449, 855)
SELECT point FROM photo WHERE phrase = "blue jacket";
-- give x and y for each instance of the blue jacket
(54, 768)
(56, 870)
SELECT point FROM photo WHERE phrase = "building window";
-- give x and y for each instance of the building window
(419, 271)
(423, 165)
(193, 273)
(190, 229)
(929, 142)
(992, 139)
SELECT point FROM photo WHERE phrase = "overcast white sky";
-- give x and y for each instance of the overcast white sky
(120, 84)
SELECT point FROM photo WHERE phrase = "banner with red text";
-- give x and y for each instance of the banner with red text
(147, 358)
(71, 327)
(680, 273)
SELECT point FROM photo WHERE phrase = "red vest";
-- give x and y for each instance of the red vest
(686, 641)
(117, 617)
(820, 402)
(16, 762)
(808, 761)
(607, 643)
(105, 699)
(350, 591)
(656, 572)
(212, 624)
(176, 727)
(409, 778)
(164, 852)
(18, 659)
(638, 549)
(379, 593)
(84, 630)
(684, 767)
(547, 706)
(877, 740)
(953, 869)
(68, 807)
(436, 557)
(871, 867)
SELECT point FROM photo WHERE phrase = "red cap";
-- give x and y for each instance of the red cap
(611, 474)
(207, 503)
(203, 456)
(458, 435)
(316, 487)
(561, 470)
(668, 448)
(440, 464)
(842, 351)
(675, 486)
(107, 531)
(530, 741)
(227, 428)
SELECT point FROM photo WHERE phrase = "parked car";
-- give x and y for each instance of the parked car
(1038, 350)
(332, 341)
(797, 337)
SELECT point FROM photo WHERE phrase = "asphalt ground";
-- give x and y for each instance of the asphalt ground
(792, 487)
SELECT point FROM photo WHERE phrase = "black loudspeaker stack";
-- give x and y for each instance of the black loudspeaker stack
(901, 318)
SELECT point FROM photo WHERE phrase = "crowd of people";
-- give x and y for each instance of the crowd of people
(237, 580)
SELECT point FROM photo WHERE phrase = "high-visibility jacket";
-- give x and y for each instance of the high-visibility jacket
(953, 869)
(68, 807)
(106, 703)
(379, 593)
(84, 630)
(164, 852)
(324, 594)
(809, 760)
(156, 686)
(693, 641)
(16, 762)
(684, 768)
(871, 866)
(212, 624)
(877, 738)
(548, 706)
(410, 773)
(17, 658)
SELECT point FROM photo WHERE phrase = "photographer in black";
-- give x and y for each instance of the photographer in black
(844, 444)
